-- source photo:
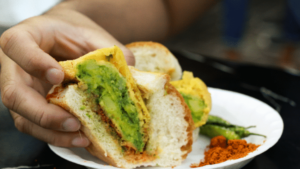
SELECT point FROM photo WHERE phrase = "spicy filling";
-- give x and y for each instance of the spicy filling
(107, 89)
(196, 105)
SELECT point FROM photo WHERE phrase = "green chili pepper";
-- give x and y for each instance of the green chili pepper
(242, 132)
(213, 131)
(217, 120)
(216, 126)
(221, 122)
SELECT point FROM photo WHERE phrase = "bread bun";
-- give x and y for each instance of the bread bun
(155, 57)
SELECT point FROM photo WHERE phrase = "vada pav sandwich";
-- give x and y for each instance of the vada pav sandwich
(132, 118)
(154, 57)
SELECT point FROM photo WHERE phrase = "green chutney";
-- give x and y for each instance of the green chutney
(196, 106)
(106, 83)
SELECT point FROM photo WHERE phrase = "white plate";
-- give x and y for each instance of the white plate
(237, 108)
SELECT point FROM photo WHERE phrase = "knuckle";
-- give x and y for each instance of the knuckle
(42, 119)
(20, 124)
(10, 44)
(8, 39)
(55, 141)
(31, 62)
(8, 96)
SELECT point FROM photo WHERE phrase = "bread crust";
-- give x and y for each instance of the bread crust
(175, 71)
(188, 118)
(148, 44)
(94, 149)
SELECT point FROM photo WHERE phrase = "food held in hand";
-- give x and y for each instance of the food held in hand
(196, 95)
(132, 118)
(216, 126)
(221, 150)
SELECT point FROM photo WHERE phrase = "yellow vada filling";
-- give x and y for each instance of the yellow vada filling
(196, 105)
(195, 94)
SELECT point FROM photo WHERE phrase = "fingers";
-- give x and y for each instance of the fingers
(129, 57)
(101, 39)
(21, 47)
(89, 35)
(30, 104)
(62, 139)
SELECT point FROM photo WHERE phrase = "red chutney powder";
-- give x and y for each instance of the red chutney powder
(220, 151)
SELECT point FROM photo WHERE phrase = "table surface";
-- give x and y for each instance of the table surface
(274, 86)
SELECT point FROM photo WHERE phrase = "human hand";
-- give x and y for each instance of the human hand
(29, 69)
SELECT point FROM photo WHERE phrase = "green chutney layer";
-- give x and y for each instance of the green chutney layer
(108, 86)
(196, 105)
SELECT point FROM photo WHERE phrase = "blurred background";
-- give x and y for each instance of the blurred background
(253, 31)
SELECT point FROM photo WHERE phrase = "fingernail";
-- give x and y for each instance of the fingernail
(71, 124)
(54, 76)
(80, 142)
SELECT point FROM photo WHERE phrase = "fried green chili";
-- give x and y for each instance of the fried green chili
(214, 130)
(216, 120)
(216, 126)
